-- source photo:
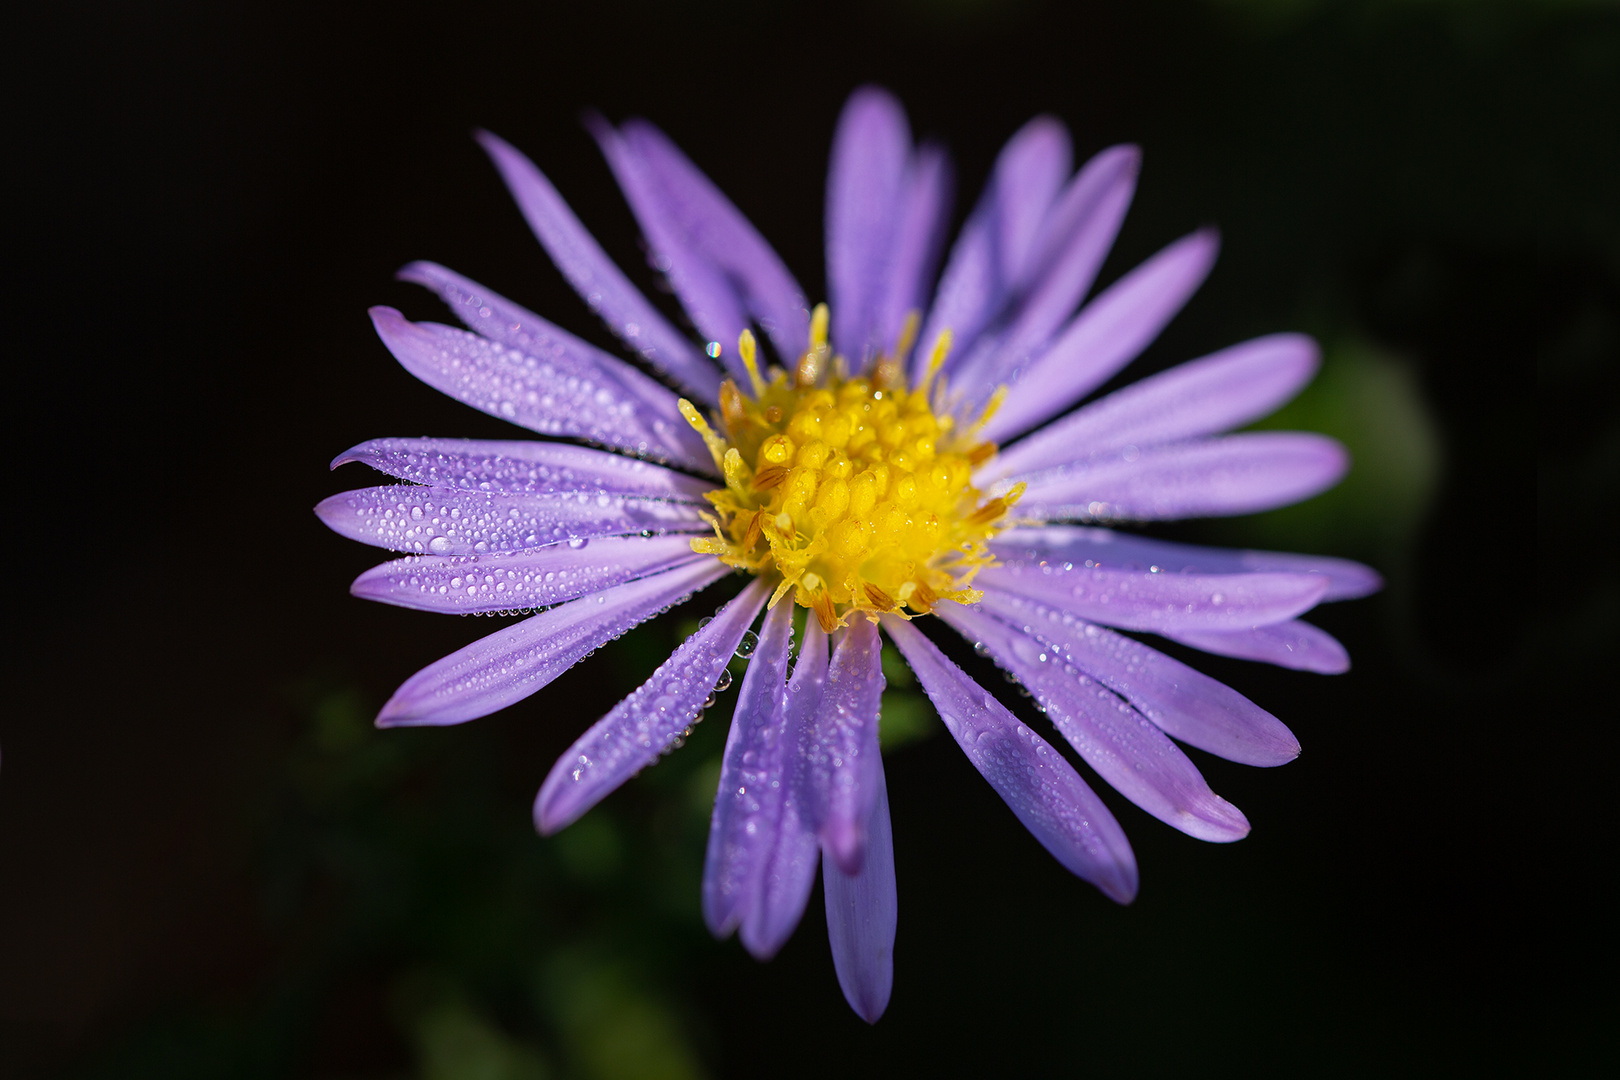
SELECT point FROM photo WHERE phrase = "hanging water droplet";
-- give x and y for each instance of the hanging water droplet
(708, 702)
(746, 647)
(705, 621)
(723, 683)
(980, 648)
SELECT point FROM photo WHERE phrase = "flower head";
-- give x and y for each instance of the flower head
(858, 471)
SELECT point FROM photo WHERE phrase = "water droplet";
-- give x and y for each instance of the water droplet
(578, 542)
(746, 647)
(723, 683)
(439, 544)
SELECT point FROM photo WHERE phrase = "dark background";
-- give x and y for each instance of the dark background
(210, 864)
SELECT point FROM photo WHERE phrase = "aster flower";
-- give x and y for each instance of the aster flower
(852, 463)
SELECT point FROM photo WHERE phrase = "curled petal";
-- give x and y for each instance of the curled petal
(1127, 750)
(510, 664)
(864, 181)
(862, 914)
(647, 723)
(514, 581)
(447, 521)
(1291, 644)
(1042, 788)
(841, 748)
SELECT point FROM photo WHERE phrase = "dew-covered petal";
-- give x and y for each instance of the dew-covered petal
(1232, 474)
(519, 580)
(510, 664)
(522, 467)
(649, 721)
(1123, 746)
(753, 782)
(1291, 644)
(862, 914)
(791, 870)
(864, 181)
(597, 278)
(919, 238)
(1088, 545)
(561, 386)
(449, 521)
(1108, 333)
(841, 748)
(1142, 600)
(1185, 704)
(1219, 392)
(1040, 786)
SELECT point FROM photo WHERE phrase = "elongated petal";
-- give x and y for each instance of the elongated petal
(1108, 333)
(862, 914)
(1219, 392)
(597, 278)
(515, 581)
(919, 238)
(842, 748)
(554, 388)
(753, 782)
(510, 664)
(1233, 474)
(1291, 644)
(1138, 600)
(1091, 546)
(522, 467)
(864, 182)
(1185, 704)
(1042, 788)
(647, 723)
(1127, 750)
(448, 521)
(791, 871)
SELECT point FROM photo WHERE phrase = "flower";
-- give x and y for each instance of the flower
(859, 476)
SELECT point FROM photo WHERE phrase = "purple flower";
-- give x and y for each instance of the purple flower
(857, 472)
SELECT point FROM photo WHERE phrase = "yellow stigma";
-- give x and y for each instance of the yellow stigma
(855, 493)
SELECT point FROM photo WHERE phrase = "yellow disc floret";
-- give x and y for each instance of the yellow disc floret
(855, 491)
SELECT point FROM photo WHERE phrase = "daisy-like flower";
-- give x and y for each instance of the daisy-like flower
(853, 464)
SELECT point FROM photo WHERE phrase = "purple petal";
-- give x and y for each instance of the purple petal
(1108, 333)
(1041, 787)
(560, 386)
(647, 723)
(1222, 391)
(862, 913)
(841, 749)
(1091, 546)
(864, 181)
(791, 871)
(522, 467)
(595, 276)
(1234, 474)
(447, 521)
(919, 237)
(753, 782)
(1127, 750)
(1185, 704)
(1291, 644)
(519, 580)
(510, 664)
(1138, 600)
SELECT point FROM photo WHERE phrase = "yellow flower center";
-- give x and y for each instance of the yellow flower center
(856, 491)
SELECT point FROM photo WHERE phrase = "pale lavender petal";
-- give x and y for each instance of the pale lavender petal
(523, 467)
(510, 664)
(791, 871)
(1142, 600)
(841, 750)
(919, 238)
(753, 782)
(1092, 546)
(864, 181)
(1219, 392)
(1042, 788)
(1186, 704)
(863, 912)
(1030, 172)
(1123, 746)
(1233, 474)
(554, 388)
(519, 580)
(448, 521)
(649, 721)
(720, 234)
(1108, 333)
(1291, 644)
(597, 278)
